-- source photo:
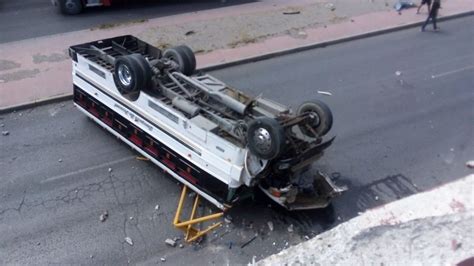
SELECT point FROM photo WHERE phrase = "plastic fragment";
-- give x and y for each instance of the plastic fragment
(325, 93)
(103, 217)
(270, 225)
(290, 228)
(129, 241)
(170, 242)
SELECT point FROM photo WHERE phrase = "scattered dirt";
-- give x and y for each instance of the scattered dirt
(54, 57)
(7, 65)
(235, 31)
(113, 25)
(19, 75)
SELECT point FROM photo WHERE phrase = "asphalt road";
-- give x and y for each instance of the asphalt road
(34, 18)
(403, 109)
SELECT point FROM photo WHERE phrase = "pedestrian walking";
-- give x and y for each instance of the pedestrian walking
(424, 2)
(432, 15)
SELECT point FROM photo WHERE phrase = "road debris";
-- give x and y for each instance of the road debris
(249, 241)
(5, 133)
(170, 242)
(2, 125)
(302, 34)
(157, 207)
(376, 198)
(228, 219)
(398, 73)
(129, 241)
(60, 160)
(290, 228)
(291, 12)
(230, 244)
(110, 170)
(270, 225)
(163, 259)
(141, 158)
(131, 218)
(455, 245)
(181, 246)
(330, 6)
(325, 93)
(103, 217)
(470, 164)
(191, 32)
(306, 237)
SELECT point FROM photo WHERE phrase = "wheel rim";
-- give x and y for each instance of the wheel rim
(263, 140)
(124, 75)
(315, 121)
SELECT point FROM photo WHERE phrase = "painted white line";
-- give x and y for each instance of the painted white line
(54, 178)
(451, 72)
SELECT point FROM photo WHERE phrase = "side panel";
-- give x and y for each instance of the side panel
(208, 155)
(163, 155)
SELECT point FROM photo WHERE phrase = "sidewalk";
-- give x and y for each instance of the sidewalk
(429, 228)
(37, 70)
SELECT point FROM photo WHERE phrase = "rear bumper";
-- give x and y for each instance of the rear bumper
(291, 199)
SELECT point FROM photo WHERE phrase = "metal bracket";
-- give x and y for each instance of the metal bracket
(192, 233)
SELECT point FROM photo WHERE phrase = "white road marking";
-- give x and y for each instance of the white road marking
(451, 72)
(54, 178)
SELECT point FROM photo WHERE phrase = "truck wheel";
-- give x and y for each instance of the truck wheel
(265, 138)
(190, 57)
(183, 57)
(145, 67)
(132, 73)
(70, 7)
(321, 118)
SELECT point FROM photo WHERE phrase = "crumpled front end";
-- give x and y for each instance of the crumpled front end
(315, 194)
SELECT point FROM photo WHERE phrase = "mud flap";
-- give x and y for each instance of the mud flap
(291, 199)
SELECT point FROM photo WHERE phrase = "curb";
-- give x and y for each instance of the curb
(27, 105)
(257, 58)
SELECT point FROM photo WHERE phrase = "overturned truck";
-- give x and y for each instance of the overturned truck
(213, 138)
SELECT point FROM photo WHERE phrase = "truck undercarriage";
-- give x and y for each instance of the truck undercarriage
(214, 138)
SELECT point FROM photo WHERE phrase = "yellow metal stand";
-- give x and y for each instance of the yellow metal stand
(191, 233)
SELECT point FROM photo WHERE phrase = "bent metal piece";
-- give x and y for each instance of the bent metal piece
(192, 233)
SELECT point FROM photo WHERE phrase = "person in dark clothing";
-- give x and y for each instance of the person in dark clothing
(424, 2)
(432, 15)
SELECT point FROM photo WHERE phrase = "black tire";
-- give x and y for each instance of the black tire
(131, 74)
(322, 120)
(190, 57)
(181, 56)
(70, 7)
(266, 138)
(145, 66)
